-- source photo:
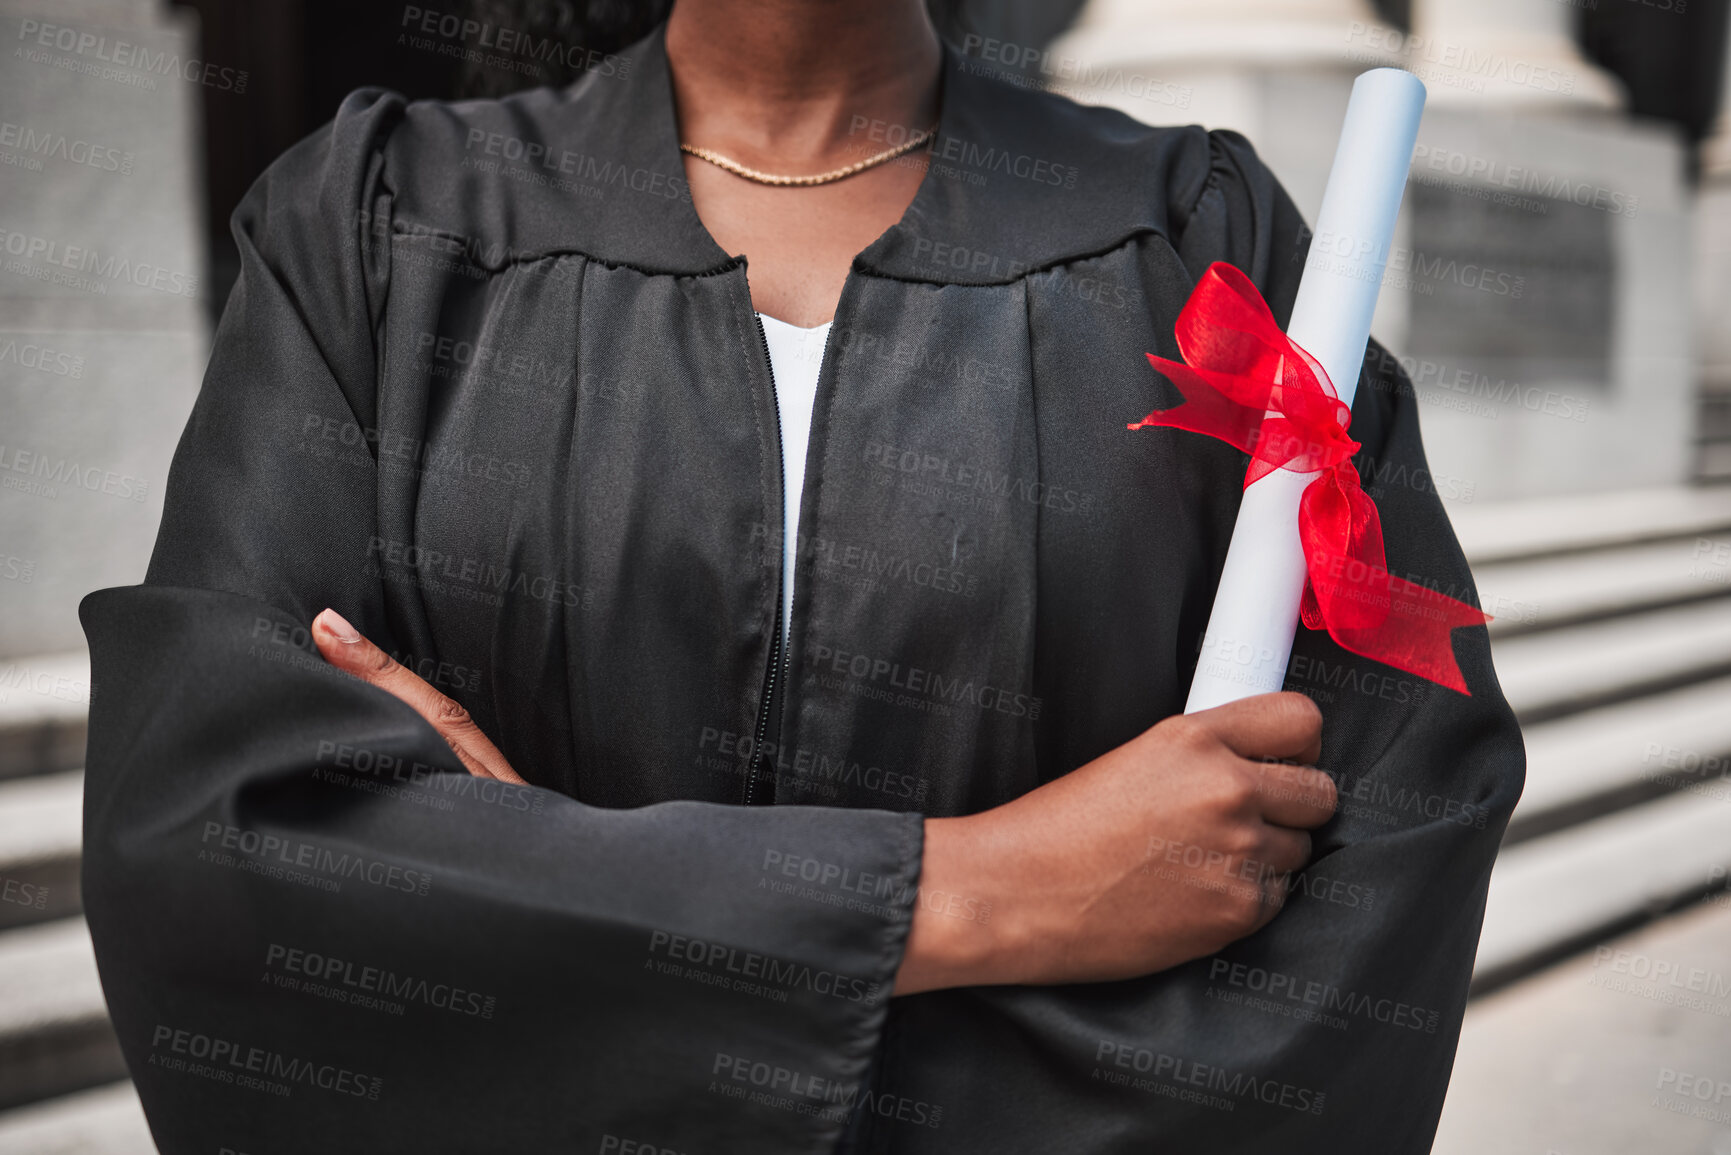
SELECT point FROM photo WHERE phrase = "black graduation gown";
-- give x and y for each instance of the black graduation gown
(488, 388)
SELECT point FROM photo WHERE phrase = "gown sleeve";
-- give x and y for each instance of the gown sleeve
(315, 932)
(1334, 1028)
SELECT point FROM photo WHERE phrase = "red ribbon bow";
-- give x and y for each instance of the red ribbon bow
(1250, 385)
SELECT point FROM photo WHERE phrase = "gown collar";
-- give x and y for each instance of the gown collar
(1014, 184)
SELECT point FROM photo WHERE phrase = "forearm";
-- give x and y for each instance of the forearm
(944, 951)
(1064, 869)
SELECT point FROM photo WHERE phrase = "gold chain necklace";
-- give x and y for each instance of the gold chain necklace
(737, 169)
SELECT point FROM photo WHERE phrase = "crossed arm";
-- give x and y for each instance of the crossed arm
(1069, 868)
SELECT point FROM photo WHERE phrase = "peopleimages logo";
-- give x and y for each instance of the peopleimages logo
(40, 145)
(979, 157)
(81, 259)
(277, 852)
(587, 169)
(1068, 74)
(1458, 64)
(259, 1068)
(859, 673)
(22, 893)
(1178, 1070)
(30, 355)
(1496, 173)
(52, 471)
(1290, 989)
(354, 980)
(497, 43)
(722, 962)
(475, 575)
(128, 55)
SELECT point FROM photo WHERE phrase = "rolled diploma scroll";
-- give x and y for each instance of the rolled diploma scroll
(1255, 616)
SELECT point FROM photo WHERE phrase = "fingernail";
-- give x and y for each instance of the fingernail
(339, 627)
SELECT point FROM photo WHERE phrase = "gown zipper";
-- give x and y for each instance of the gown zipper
(766, 700)
(776, 658)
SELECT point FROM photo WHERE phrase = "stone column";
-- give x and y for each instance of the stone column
(1716, 150)
(1507, 54)
(1573, 370)
(1276, 70)
(1539, 288)
(103, 335)
(1713, 284)
(1184, 34)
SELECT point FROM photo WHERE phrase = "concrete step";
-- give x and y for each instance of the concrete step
(1551, 674)
(1590, 1058)
(104, 1121)
(1554, 895)
(1544, 593)
(1586, 765)
(40, 827)
(55, 1037)
(1506, 530)
(44, 702)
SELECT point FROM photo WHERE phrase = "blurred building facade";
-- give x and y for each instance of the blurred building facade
(1558, 292)
(1543, 291)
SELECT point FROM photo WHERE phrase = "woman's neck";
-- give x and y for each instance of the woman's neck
(802, 85)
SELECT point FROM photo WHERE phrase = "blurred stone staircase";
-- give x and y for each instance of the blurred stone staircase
(1616, 658)
(62, 1086)
(1614, 647)
(1612, 640)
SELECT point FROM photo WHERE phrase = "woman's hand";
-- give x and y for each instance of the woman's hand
(343, 647)
(1163, 850)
